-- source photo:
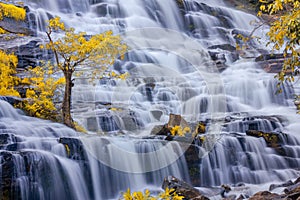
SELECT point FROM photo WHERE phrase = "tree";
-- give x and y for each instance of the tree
(77, 51)
(284, 34)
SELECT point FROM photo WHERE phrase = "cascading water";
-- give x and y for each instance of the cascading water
(171, 71)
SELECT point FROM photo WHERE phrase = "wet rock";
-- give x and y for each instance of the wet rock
(225, 193)
(274, 186)
(193, 159)
(16, 26)
(271, 63)
(265, 195)
(272, 139)
(156, 114)
(227, 47)
(30, 54)
(92, 124)
(292, 189)
(177, 120)
(219, 59)
(157, 130)
(182, 188)
(74, 148)
(174, 120)
(9, 141)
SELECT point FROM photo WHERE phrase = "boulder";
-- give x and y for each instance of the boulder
(266, 195)
(182, 188)
(286, 184)
(16, 26)
(174, 120)
(177, 120)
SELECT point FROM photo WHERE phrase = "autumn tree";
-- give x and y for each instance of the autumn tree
(77, 52)
(284, 35)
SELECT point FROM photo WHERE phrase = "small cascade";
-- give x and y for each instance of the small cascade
(43, 160)
(244, 159)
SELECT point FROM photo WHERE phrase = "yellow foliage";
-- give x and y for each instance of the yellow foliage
(67, 149)
(12, 11)
(91, 56)
(80, 128)
(177, 130)
(98, 52)
(8, 80)
(284, 34)
(41, 92)
(2, 31)
(168, 194)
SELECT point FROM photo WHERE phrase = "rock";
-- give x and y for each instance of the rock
(11, 100)
(8, 141)
(273, 186)
(193, 159)
(272, 139)
(30, 54)
(227, 47)
(219, 59)
(182, 188)
(266, 195)
(27, 49)
(156, 114)
(16, 26)
(156, 130)
(74, 148)
(292, 189)
(271, 63)
(177, 120)
(92, 124)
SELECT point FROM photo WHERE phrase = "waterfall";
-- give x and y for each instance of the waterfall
(182, 60)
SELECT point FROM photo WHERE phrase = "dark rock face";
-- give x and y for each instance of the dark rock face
(16, 26)
(271, 63)
(193, 159)
(74, 148)
(182, 188)
(30, 54)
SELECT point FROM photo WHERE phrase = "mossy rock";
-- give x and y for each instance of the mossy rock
(272, 139)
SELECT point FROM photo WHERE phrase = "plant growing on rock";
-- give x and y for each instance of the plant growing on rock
(75, 52)
(168, 194)
(11, 11)
(8, 62)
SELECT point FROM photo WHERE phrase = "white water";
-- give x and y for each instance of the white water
(170, 72)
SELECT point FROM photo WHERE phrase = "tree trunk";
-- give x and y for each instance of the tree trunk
(66, 106)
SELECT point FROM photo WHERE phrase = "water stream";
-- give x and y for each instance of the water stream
(171, 71)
